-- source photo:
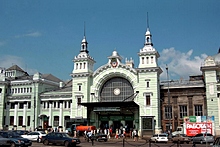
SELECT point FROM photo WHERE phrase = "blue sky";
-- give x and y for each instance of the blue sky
(45, 35)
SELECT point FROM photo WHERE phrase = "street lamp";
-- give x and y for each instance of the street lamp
(169, 108)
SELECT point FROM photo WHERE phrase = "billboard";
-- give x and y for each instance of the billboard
(198, 127)
(198, 124)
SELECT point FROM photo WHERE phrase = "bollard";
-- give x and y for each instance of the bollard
(92, 140)
(123, 142)
(150, 143)
(178, 143)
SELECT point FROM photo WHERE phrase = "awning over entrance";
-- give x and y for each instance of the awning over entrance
(110, 104)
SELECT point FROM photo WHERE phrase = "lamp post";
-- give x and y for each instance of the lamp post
(169, 108)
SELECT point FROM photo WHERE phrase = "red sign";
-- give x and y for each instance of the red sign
(199, 127)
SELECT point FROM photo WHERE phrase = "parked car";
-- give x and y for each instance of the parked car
(59, 138)
(181, 138)
(35, 136)
(5, 142)
(21, 132)
(159, 138)
(101, 137)
(203, 138)
(16, 138)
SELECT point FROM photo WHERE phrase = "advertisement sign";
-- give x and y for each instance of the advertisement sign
(198, 127)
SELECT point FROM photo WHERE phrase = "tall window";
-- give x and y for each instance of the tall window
(168, 112)
(183, 111)
(152, 59)
(29, 105)
(147, 60)
(147, 100)
(56, 121)
(198, 110)
(11, 120)
(80, 87)
(12, 105)
(78, 101)
(28, 121)
(20, 120)
(84, 65)
(21, 105)
(142, 59)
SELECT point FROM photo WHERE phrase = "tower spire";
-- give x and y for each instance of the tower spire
(148, 39)
(147, 22)
(84, 29)
(84, 43)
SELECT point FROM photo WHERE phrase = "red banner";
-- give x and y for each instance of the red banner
(198, 127)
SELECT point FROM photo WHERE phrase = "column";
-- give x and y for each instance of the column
(8, 106)
(61, 117)
(24, 115)
(15, 115)
(50, 113)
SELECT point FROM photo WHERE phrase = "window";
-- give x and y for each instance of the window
(58, 104)
(30, 89)
(56, 121)
(147, 60)
(76, 65)
(142, 59)
(148, 84)
(152, 59)
(80, 88)
(11, 120)
(147, 100)
(28, 121)
(65, 104)
(12, 105)
(54, 104)
(29, 105)
(20, 120)
(183, 111)
(78, 101)
(198, 110)
(21, 105)
(84, 65)
(69, 104)
(168, 112)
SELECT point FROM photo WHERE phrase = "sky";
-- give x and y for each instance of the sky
(45, 35)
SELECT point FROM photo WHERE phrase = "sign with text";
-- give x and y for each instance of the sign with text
(199, 127)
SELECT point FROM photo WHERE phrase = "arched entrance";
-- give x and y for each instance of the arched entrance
(43, 121)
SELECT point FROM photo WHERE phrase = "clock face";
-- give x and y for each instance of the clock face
(117, 91)
(114, 63)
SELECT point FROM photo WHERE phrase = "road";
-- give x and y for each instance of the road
(119, 143)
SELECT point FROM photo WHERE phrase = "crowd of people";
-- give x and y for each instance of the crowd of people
(118, 133)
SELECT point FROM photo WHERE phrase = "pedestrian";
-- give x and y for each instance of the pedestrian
(135, 135)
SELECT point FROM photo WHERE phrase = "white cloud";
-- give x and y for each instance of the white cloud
(32, 34)
(9, 60)
(180, 65)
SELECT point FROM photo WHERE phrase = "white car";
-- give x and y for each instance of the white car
(35, 136)
(159, 138)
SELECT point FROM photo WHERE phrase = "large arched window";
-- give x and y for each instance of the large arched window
(117, 90)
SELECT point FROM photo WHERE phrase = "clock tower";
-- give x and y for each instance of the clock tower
(114, 59)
